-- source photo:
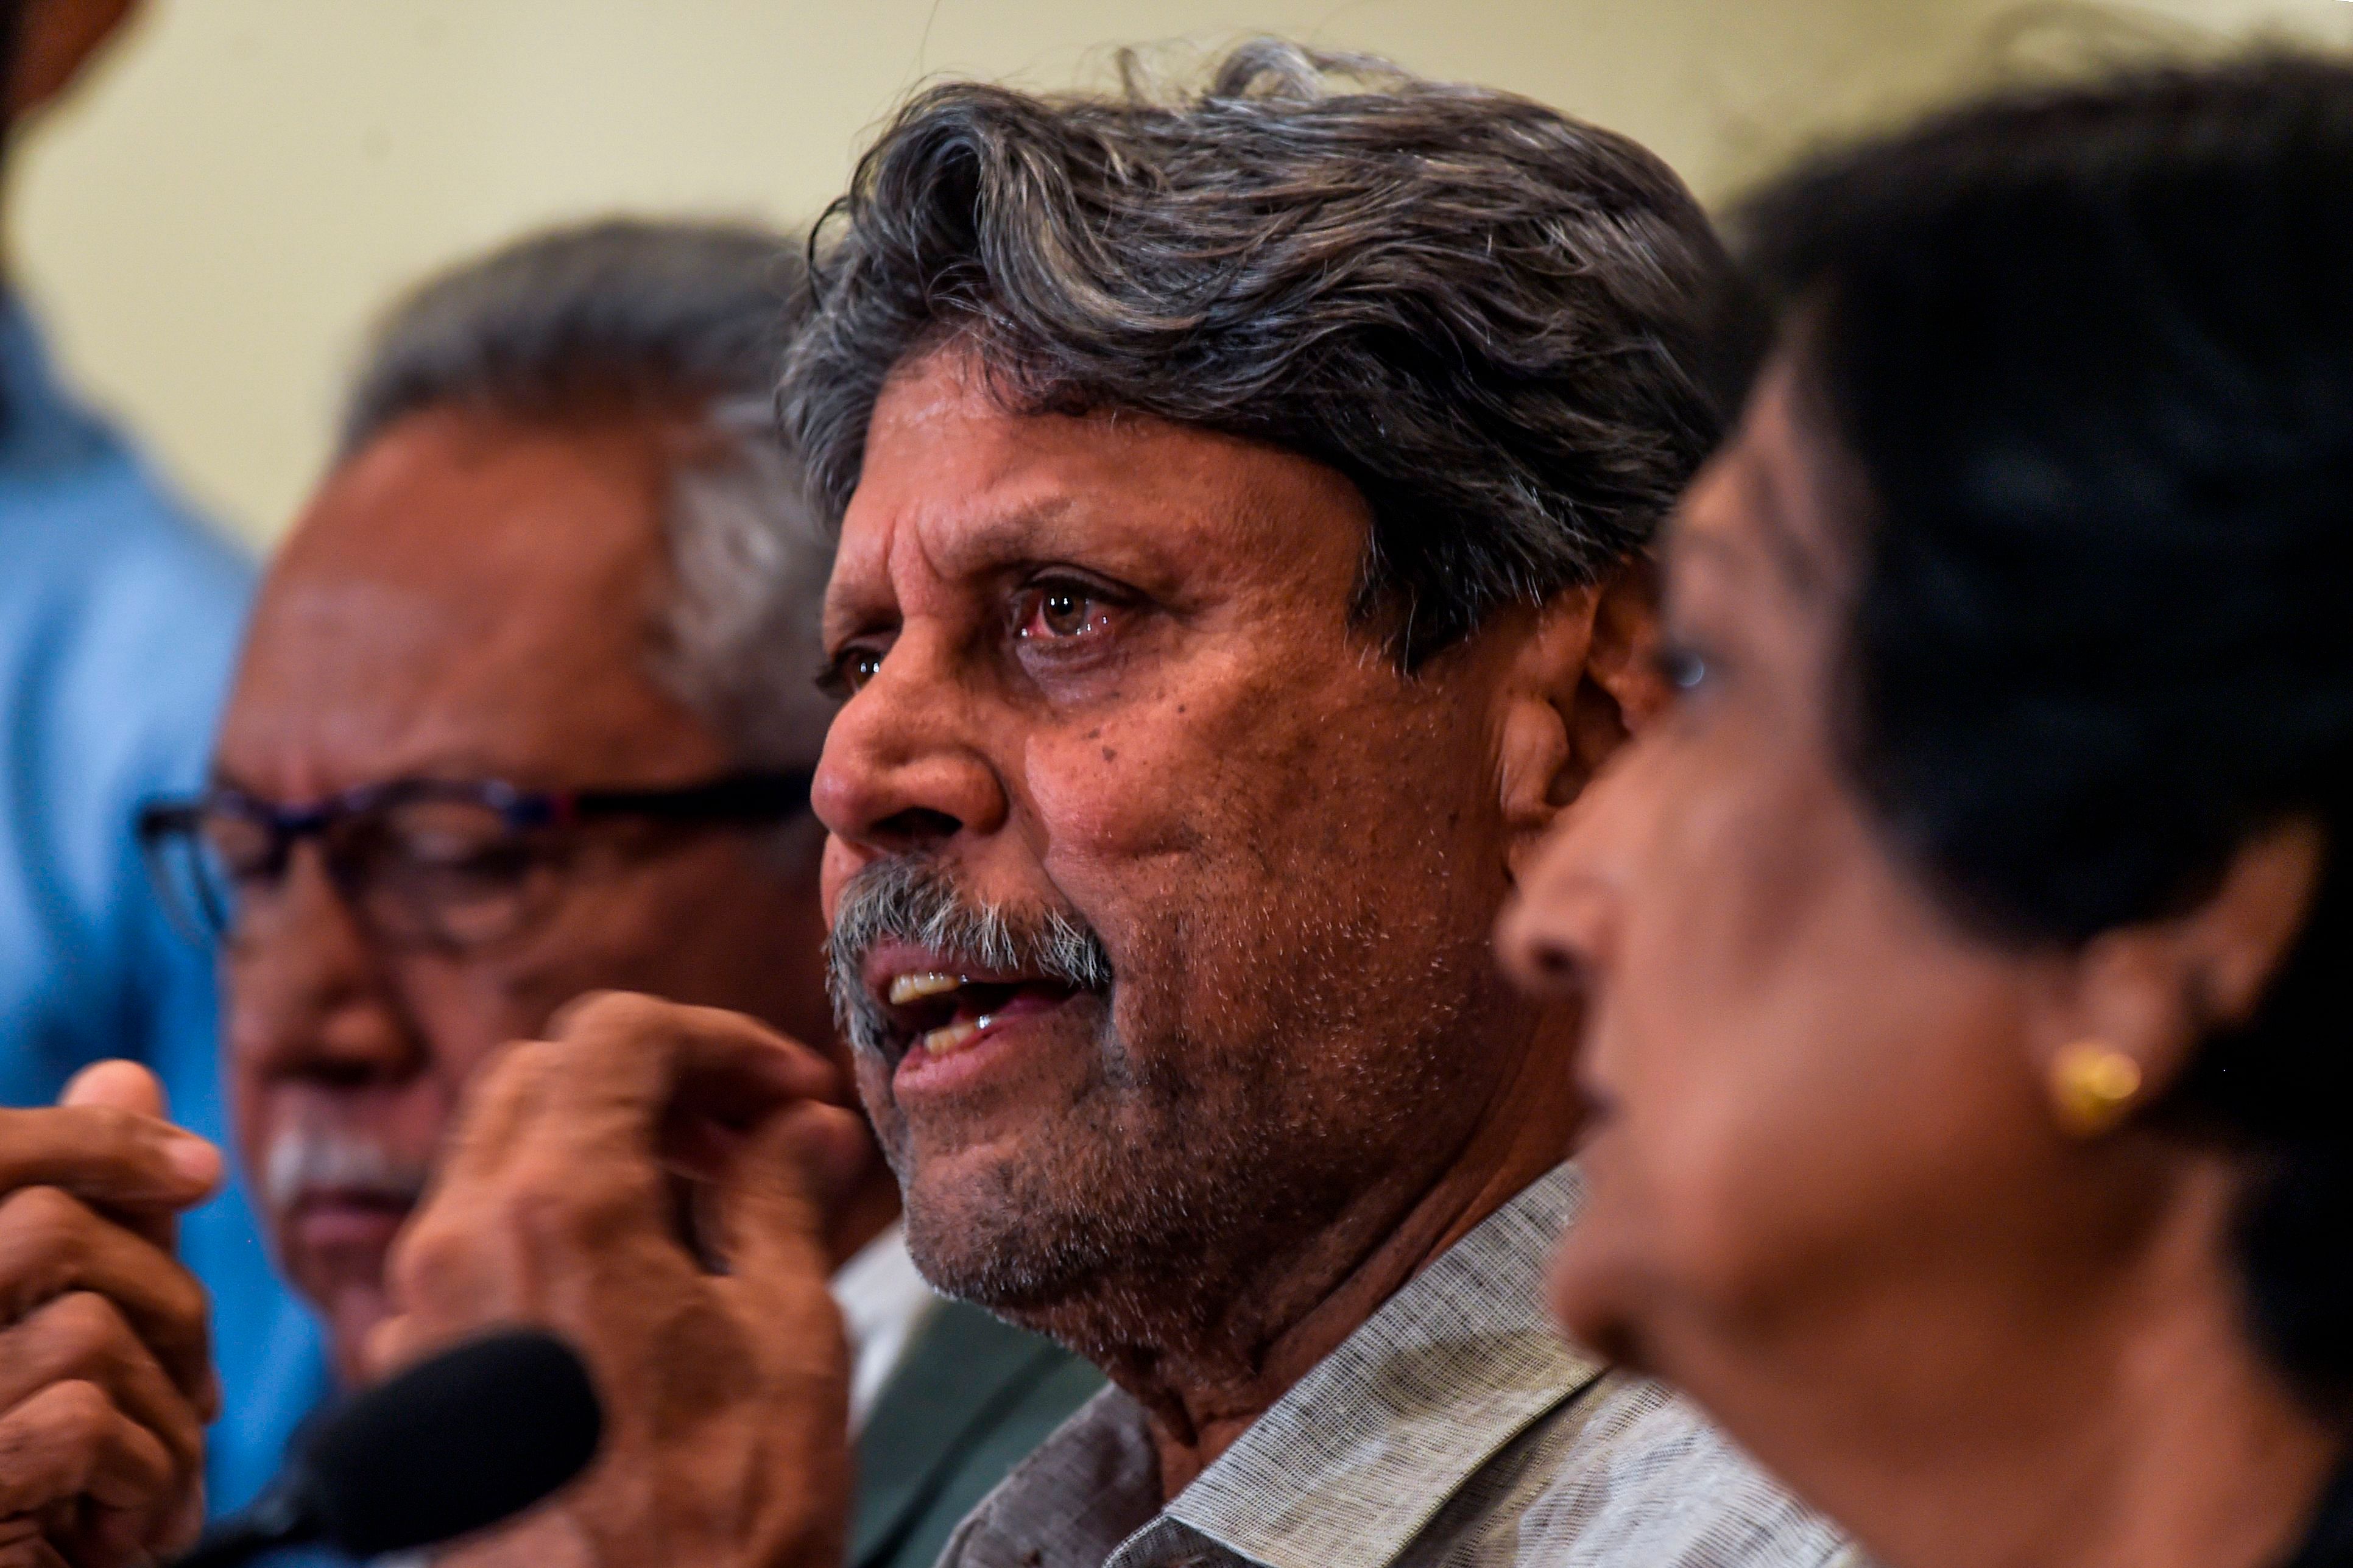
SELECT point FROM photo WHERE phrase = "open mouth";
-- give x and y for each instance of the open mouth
(942, 1012)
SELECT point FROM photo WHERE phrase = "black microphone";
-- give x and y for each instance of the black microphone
(453, 1445)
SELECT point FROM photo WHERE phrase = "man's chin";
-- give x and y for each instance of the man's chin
(335, 1254)
(983, 1229)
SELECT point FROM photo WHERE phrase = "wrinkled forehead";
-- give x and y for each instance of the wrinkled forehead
(464, 586)
(956, 488)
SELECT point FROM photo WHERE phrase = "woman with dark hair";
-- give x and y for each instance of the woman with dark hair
(1968, 948)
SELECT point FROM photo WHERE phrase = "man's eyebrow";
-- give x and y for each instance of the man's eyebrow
(985, 541)
(838, 619)
(993, 536)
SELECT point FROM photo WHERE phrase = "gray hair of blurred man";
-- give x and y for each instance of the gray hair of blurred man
(689, 320)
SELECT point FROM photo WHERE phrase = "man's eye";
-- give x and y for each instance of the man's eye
(451, 853)
(851, 669)
(1062, 610)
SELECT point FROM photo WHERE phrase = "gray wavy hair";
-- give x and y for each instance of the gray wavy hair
(690, 320)
(1497, 321)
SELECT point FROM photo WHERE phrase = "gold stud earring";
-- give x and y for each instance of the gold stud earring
(2092, 1086)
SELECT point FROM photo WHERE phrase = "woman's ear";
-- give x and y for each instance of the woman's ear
(1583, 681)
(2135, 1003)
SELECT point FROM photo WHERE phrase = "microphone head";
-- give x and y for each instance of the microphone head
(453, 1445)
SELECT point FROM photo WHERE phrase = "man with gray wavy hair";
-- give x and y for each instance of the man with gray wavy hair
(1242, 494)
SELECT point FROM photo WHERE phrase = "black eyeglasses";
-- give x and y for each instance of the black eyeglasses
(442, 862)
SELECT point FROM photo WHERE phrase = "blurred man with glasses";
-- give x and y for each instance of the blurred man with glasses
(525, 713)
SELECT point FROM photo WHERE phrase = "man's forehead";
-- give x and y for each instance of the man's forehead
(951, 535)
(457, 526)
(955, 485)
(455, 591)
(449, 492)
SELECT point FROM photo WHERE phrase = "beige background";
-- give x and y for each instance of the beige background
(207, 227)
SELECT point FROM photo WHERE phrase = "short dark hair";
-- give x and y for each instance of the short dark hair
(1489, 317)
(2092, 346)
(685, 321)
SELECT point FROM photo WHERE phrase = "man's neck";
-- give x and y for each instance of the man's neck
(1200, 1395)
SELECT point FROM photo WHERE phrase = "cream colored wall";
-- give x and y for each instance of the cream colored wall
(209, 226)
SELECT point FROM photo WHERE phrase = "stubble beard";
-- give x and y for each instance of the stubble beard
(1140, 1211)
(1181, 1178)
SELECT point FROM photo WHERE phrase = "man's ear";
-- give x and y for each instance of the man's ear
(1581, 684)
(1622, 666)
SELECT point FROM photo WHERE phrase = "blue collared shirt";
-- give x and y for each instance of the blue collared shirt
(120, 616)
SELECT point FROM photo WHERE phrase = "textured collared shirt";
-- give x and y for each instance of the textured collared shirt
(883, 1302)
(1453, 1427)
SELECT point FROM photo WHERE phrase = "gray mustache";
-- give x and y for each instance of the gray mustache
(304, 1159)
(914, 899)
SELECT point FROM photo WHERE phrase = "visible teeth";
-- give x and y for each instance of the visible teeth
(909, 988)
(950, 1038)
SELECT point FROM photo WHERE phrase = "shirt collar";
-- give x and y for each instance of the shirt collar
(1349, 1465)
(883, 1301)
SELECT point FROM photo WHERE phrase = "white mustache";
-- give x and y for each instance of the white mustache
(305, 1160)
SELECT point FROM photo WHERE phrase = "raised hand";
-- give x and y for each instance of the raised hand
(106, 1378)
(649, 1182)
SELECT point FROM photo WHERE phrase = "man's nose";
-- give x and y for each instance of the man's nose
(307, 993)
(904, 765)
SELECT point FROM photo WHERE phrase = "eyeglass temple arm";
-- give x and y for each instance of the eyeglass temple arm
(751, 796)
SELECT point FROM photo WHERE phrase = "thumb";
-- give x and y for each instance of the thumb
(785, 1179)
(123, 1085)
(127, 1086)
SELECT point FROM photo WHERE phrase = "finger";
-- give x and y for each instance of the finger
(501, 1100)
(69, 1441)
(52, 1243)
(628, 1058)
(81, 1336)
(774, 1203)
(127, 1087)
(15, 1532)
(558, 1149)
(639, 1088)
(706, 1085)
(124, 1085)
(111, 1538)
(452, 1269)
(182, 1522)
(560, 1022)
(107, 1156)
(455, 1263)
(781, 1265)
(598, 1106)
(30, 1552)
(393, 1344)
